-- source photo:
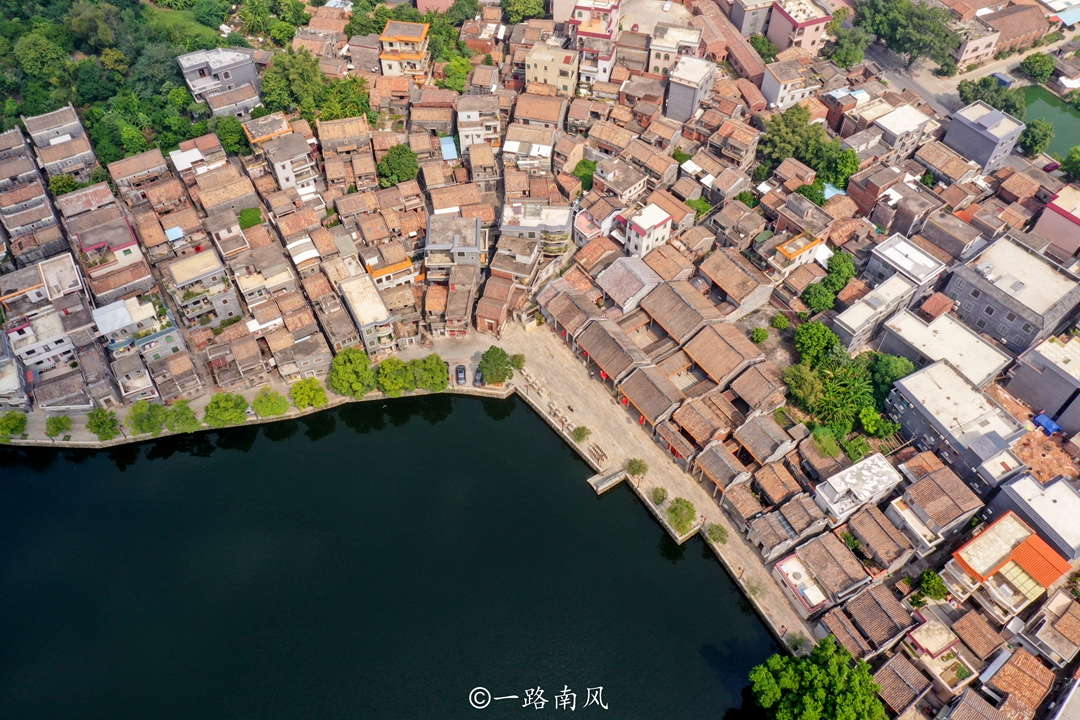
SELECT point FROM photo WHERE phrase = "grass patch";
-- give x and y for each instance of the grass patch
(181, 27)
(825, 442)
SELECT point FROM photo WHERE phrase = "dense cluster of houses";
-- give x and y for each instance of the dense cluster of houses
(199, 271)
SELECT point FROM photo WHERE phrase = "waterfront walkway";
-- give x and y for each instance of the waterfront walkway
(615, 431)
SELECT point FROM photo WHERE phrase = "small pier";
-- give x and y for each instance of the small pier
(602, 483)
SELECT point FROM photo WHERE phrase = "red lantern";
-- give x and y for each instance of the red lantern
(641, 420)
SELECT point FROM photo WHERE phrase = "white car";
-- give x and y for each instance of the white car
(667, 5)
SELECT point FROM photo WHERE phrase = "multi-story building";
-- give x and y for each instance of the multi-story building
(478, 120)
(1045, 378)
(207, 72)
(46, 313)
(899, 255)
(555, 66)
(292, 162)
(857, 324)
(643, 231)
(453, 241)
(1013, 294)
(690, 81)
(935, 507)
(597, 59)
(197, 156)
(671, 42)
(983, 134)
(867, 482)
(238, 102)
(200, 286)
(787, 23)
(786, 83)
(904, 130)
(940, 410)
(589, 18)
(405, 50)
(132, 174)
(14, 388)
(920, 341)
(141, 325)
(26, 209)
(370, 315)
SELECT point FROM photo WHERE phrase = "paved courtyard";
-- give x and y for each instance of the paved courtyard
(646, 13)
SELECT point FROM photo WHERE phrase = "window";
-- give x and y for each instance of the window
(656, 68)
(127, 252)
(967, 305)
(988, 310)
(224, 302)
(666, 56)
(1002, 330)
(980, 323)
(1010, 316)
(975, 293)
(657, 56)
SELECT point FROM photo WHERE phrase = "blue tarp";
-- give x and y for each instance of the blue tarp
(1004, 79)
(1048, 426)
(449, 149)
(831, 191)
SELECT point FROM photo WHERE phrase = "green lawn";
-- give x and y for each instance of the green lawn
(181, 27)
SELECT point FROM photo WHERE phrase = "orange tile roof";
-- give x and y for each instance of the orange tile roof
(1040, 561)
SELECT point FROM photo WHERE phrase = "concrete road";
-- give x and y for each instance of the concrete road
(941, 92)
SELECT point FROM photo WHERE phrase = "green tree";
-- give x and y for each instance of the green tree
(93, 83)
(636, 467)
(825, 684)
(489, 60)
(850, 46)
(63, 184)
(146, 418)
(764, 47)
(457, 72)
(134, 141)
(519, 10)
(269, 403)
(814, 340)
(1038, 66)
(759, 335)
(680, 156)
(932, 586)
(255, 16)
(815, 192)
(182, 419)
(517, 361)
(495, 366)
(1036, 137)
(716, 533)
(818, 298)
(115, 60)
(927, 179)
(994, 94)
(841, 270)
(292, 12)
(351, 373)
(846, 390)
(103, 423)
(397, 166)
(231, 134)
(93, 23)
(211, 13)
(41, 58)
(885, 370)
(780, 322)
(282, 32)
(225, 409)
(748, 199)
(431, 374)
(584, 171)
(1071, 162)
(581, 433)
(308, 392)
(915, 30)
(394, 377)
(13, 422)
(293, 82)
(659, 495)
(805, 386)
(57, 425)
(681, 513)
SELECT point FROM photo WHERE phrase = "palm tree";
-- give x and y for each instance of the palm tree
(255, 15)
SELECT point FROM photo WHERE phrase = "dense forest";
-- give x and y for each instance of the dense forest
(116, 63)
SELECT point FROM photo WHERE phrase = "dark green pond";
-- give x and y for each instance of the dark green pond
(1045, 105)
(369, 562)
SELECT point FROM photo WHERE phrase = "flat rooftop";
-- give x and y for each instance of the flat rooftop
(909, 258)
(964, 410)
(946, 338)
(364, 300)
(1065, 354)
(804, 10)
(903, 119)
(218, 57)
(865, 478)
(691, 70)
(195, 266)
(1057, 503)
(994, 544)
(1030, 279)
(989, 120)
(880, 299)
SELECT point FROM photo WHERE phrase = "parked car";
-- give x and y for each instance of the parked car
(478, 379)
(460, 373)
(667, 5)
(1051, 166)
(634, 29)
